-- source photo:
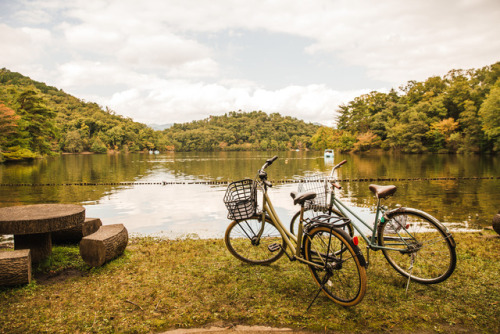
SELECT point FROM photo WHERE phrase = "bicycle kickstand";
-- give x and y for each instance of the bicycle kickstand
(410, 269)
(325, 279)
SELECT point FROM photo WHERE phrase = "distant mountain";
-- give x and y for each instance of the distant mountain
(160, 127)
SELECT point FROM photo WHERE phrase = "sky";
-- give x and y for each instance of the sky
(174, 61)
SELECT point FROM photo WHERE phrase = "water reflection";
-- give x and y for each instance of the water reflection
(198, 208)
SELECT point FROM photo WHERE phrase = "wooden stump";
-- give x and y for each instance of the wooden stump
(496, 223)
(104, 245)
(15, 267)
(74, 235)
(40, 245)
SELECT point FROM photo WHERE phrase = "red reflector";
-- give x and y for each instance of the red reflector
(355, 240)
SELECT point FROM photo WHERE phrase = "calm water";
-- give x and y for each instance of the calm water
(175, 210)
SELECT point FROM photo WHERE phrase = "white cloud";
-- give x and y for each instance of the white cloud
(182, 101)
(20, 46)
(92, 38)
(194, 69)
(86, 73)
(162, 50)
(152, 60)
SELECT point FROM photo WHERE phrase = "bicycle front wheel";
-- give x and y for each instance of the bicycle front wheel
(417, 246)
(338, 264)
(249, 239)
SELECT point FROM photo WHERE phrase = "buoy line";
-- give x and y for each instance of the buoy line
(166, 183)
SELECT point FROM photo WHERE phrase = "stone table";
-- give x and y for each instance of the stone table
(32, 225)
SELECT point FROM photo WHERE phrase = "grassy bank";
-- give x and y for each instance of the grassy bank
(163, 284)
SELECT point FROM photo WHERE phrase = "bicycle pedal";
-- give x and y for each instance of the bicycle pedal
(274, 247)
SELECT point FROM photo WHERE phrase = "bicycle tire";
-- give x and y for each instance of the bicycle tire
(241, 240)
(343, 277)
(426, 250)
(310, 213)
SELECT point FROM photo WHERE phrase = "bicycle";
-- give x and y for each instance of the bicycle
(335, 261)
(414, 243)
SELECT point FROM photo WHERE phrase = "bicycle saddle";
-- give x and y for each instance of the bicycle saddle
(382, 191)
(302, 197)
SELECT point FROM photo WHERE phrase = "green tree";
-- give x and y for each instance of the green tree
(490, 116)
(8, 123)
(98, 146)
(366, 141)
(323, 138)
(73, 142)
(37, 120)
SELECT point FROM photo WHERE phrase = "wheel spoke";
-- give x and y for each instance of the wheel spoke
(241, 240)
(340, 274)
(424, 252)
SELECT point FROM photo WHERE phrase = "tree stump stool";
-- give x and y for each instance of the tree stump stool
(75, 234)
(496, 222)
(104, 245)
(15, 267)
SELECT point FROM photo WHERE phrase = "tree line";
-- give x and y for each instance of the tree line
(459, 112)
(241, 131)
(38, 120)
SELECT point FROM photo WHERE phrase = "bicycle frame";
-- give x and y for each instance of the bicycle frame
(372, 241)
(288, 237)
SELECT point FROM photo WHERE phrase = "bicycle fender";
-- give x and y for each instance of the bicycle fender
(355, 248)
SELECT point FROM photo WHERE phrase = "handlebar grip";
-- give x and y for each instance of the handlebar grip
(270, 161)
(340, 164)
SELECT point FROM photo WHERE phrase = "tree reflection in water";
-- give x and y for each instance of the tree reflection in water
(179, 209)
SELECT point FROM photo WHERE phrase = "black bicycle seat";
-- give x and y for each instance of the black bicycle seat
(302, 197)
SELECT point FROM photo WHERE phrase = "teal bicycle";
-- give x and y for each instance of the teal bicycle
(415, 244)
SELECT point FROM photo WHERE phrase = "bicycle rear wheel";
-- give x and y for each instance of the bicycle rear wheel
(421, 248)
(339, 269)
(242, 240)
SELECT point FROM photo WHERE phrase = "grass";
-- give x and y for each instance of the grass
(164, 284)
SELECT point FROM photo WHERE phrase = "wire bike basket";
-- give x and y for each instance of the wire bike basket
(241, 199)
(317, 183)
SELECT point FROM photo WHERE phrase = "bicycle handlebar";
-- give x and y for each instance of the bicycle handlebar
(337, 166)
(263, 174)
(268, 163)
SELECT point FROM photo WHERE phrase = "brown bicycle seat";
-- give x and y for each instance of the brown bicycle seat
(302, 197)
(382, 191)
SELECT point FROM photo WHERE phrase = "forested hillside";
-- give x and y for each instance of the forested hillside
(459, 112)
(38, 120)
(242, 131)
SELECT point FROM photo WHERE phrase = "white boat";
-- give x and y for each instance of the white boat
(328, 153)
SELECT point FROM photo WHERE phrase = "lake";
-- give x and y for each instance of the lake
(180, 194)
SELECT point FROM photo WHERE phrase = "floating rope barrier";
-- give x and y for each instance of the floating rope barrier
(166, 183)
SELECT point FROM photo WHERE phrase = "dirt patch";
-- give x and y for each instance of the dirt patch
(52, 277)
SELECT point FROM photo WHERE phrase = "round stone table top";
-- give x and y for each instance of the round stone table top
(40, 218)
